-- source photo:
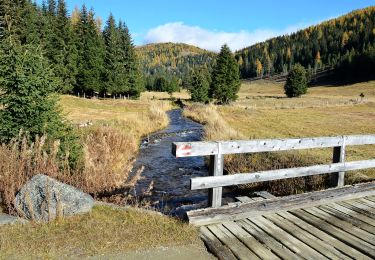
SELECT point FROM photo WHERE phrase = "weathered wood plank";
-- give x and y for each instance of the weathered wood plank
(347, 238)
(367, 202)
(269, 241)
(215, 246)
(328, 239)
(186, 149)
(352, 219)
(343, 225)
(337, 178)
(216, 169)
(256, 208)
(349, 212)
(238, 249)
(351, 206)
(265, 194)
(245, 178)
(254, 245)
(286, 239)
(326, 249)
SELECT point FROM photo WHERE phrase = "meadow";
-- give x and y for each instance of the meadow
(263, 111)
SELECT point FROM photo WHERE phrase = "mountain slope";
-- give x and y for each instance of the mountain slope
(346, 43)
(172, 59)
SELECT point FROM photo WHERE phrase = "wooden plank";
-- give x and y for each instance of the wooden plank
(343, 225)
(352, 206)
(215, 246)
(245, 178)
(347, 238)
(276, 247)
(349, 212)
(216, 169)
(370, 198)
(367, 202)
(244, 199)
(187, 149)
(256, 208)
(329, 240)
(286, 239)
(253, 244)
(238, 249)
(337, 178)
(350, 219)
(265, 194)
(319, 245)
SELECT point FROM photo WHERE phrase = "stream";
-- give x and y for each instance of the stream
(165, 180)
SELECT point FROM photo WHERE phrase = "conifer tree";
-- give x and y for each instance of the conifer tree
(133, 78)
(225, 77)
(114, 79)
(200, 86)
(90, 54)
(296, 83)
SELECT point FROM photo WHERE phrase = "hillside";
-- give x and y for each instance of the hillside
(346, 43)
(172, 59)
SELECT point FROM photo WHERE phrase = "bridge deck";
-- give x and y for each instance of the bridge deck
(340, 230)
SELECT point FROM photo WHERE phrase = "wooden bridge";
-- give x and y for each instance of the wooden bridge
(337, 223)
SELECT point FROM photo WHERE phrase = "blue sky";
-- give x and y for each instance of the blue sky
(209, 23)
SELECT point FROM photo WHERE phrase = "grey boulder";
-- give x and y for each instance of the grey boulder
(44, 199)
(8, 219)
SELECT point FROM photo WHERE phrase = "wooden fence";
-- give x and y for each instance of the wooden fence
(217, 150)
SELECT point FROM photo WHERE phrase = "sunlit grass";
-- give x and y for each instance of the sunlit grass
(103, 231)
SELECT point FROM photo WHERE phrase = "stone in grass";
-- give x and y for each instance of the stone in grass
(45, 199)
(9, 220)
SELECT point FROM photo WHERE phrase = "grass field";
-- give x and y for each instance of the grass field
(262, 111)
(104, 231)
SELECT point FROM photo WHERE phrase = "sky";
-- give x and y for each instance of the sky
(209, 24)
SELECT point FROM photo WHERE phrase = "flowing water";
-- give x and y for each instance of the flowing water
(166, 179)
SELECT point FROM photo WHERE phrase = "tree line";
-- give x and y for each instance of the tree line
(346, 43)
(86, 59)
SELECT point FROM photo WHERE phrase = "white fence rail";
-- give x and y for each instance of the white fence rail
(217, 150)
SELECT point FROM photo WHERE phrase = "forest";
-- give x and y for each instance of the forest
(171, 63)
(86, 59)
(346, 43)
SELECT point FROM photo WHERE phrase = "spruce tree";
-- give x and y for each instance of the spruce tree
(66, 61)
(296, 82)
(27, 85)
(90, 54)
(225, 77)
(114, 78)
(200, 86)
(133, 78)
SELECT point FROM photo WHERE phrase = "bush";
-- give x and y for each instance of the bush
(296, 82)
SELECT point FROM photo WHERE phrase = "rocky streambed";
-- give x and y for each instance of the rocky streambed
(165, 180)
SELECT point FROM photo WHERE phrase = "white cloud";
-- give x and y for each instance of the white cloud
(179, 32)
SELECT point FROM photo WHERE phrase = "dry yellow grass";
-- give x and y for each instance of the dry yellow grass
(152, 95)
(102, 232)
(135, 117)
(263, 112)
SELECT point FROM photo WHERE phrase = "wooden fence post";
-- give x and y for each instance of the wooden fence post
(216, 169)
(338, 178)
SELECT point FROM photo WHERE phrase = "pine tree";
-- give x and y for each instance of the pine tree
(296, 83)
(200, 86)
(90, 54)
(114, 79)
(225, 77)
(134, 85)
(27, 85)
(65, 60)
